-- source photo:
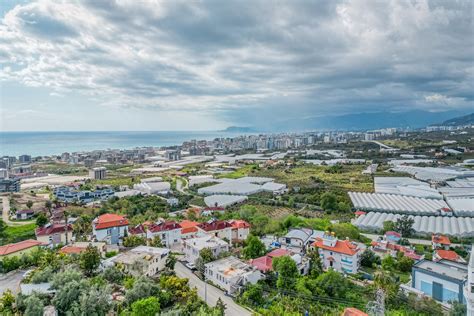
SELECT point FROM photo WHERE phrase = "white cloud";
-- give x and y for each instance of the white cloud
(226, 57)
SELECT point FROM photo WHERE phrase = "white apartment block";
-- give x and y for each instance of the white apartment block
(231, 274)
(340, 255)
(142, 260)
(192, 247)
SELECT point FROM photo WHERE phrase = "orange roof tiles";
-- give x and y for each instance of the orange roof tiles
(238, 223)
(440, 239)
(448, 255)
(110, 220)
(351, 311)
(188, 226)
(71, 250)
(342, 246)
(19, 246)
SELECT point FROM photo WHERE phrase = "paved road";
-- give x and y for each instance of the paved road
(411, 240)
(11, 281)
(213, 293)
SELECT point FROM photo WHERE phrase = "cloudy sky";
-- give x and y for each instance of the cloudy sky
(205, 65)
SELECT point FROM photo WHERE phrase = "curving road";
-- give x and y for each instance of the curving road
(6, 213)
(213, 293)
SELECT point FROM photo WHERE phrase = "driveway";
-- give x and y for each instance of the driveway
(213, 293)
(11, 281)
(6, 213)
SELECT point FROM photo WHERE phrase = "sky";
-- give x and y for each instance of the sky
(205, 65)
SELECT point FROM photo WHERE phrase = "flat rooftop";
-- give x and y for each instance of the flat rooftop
(443, 269)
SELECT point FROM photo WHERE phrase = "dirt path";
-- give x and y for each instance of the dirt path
(6, 212)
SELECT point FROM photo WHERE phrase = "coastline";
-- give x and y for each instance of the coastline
(54, 143)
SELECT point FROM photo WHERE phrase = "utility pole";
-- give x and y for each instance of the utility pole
(377, 307)
(205, 289)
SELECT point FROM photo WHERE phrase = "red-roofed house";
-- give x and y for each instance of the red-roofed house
(77, 248)
(340, 255)
(168, 231)
(240, 229)
(441, 254)
(138, 230)
(264, 263)
(20, 248)
(189, 229)
(54, 234)
(110, 228)
(351, 311)
(440, 242)
(218, 228)
(384, 247)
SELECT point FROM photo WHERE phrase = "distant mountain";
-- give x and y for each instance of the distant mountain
(366, 121)
(240, 129)
(461, 120)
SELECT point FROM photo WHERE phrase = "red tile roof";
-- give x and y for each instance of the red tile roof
(448, 255)
(19, 246)
(52, 229)
(351, 311)
(278, 253)
(137, 230)
(263, 264)
(358, 213)
(110, 220)
(215, 225)
(164, 226)
(342, 246)
(238, 223)
(67, 250)
(188, 226)
(440, 239)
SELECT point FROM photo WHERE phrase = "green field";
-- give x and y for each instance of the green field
(347, 177)
(18, 233)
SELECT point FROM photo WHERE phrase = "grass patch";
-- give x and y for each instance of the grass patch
(18, 233)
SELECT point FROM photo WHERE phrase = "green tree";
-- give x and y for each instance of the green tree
(369, 258)
(89, 260)
(156, 242)
(405, 264)
(404, 226)
(206, 255)
(458, 309)
(254, 248)
(170, 262)
(29, 204)
(343, 230)
(142, 288)
(146, 307)
(389, 263)
(3, 228)
(113, 275)
(315, 264)
(329, 201)
(49, 205)
(384, 280)
(94, 301)
(6, 301)
(41, 220)
(220, 307)
(287, 272)
(332, 283)
(253, 295)
(34, 306)
(388, 226)
(67, 295)
(134, 241)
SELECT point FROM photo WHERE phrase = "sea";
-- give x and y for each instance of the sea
(55, 143)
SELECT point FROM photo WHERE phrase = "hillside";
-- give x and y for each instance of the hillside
(461, 120)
